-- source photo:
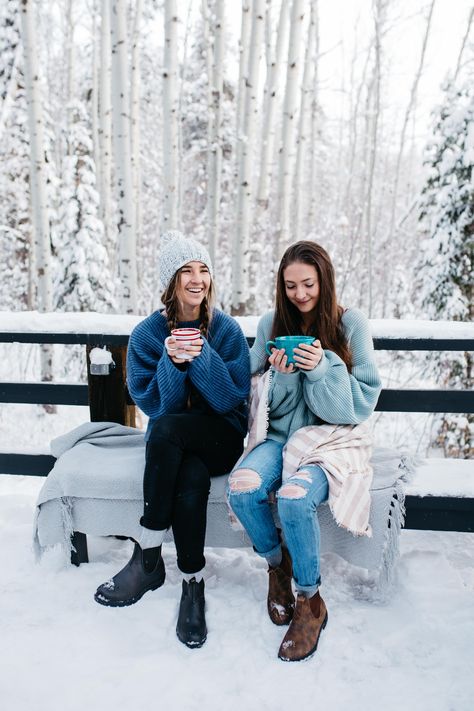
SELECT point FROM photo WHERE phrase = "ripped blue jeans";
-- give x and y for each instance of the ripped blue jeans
(258, 475)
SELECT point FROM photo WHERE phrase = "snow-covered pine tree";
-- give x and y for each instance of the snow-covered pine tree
(84, 282)
(15, 221)
(447, 258)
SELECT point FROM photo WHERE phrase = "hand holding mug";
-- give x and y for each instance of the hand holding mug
(184, 344)
(279, 360)
(307, 356)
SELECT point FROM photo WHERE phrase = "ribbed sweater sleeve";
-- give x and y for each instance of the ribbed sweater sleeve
(221, 372)
(285, 393)
(258, 354)
(154, 383)
(332, 392)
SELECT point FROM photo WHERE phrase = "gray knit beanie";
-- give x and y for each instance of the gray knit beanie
(176, 251)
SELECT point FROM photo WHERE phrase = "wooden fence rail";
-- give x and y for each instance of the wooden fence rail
(108, 400)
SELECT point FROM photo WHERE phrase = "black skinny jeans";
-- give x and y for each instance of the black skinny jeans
(182, 453)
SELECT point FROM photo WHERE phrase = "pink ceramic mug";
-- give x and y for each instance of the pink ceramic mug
(185, 337)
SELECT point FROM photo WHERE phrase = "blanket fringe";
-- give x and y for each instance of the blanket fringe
(68, 525)
(66, 508)
(391, 550)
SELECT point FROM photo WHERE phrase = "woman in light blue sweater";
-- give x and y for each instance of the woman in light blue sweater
(333, 380)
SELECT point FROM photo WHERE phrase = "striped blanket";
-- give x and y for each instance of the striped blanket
(343, 451)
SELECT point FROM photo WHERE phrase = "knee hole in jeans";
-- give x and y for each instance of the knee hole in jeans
(304, 476)
(244, 480)
(292, 491)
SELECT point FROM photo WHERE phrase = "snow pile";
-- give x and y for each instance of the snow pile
(63, 651)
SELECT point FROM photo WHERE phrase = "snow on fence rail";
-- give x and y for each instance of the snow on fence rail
(34, 322)
(108, 399)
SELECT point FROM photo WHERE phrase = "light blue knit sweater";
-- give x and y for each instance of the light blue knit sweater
(328, 393)
(220, 374)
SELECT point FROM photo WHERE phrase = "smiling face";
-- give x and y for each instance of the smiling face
(302, 286)
(193, 286)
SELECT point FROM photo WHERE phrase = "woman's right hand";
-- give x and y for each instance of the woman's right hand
(278, 360)
(173, 348)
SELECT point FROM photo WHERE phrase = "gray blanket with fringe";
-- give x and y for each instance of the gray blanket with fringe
(104, 462)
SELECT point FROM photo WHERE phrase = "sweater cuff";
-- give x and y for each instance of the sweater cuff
(203, 360)
(288, 381)
(318, 372)
(177, 370)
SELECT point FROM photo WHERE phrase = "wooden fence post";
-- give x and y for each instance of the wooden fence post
(109, 400)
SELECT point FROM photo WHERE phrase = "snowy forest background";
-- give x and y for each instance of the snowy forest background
(224, 119)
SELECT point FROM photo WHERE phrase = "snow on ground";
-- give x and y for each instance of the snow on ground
(60, 651)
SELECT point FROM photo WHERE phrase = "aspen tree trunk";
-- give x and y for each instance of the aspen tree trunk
(463, 44)
(105, 133)
(214, 151)
(357, 217)
(244, 47)
(270, 106)
(40, 222)
(170, 219)
(8, 99)
(374, 118)
(135, 120)
(187, 32)
(353, 138)
(408, 112)
(289, 128)
(302, 141)
(95, 99)
(127, 267)
(240, 262)
(39, 197)
(70, 60)
(313, 178)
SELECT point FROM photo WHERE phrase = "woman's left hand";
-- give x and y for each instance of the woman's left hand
(307, 356)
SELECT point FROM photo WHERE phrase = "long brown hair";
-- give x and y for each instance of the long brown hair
(170, 301)
(326, 324)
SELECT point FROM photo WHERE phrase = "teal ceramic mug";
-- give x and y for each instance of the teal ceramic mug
(289, 343)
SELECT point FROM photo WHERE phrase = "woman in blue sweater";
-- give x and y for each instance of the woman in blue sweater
(196, 399)
(334, 381)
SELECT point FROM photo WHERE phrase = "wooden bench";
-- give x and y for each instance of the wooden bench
(108, 400)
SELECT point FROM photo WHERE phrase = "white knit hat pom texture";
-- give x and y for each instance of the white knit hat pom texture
(176, 250)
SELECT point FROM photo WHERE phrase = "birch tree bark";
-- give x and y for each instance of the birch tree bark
(378, 11)
(39, 200)
(289, 128)
(302, 140)
(313, 192)
(171, 217)
(270, 105)
(105, 132)
(127, 268)
(7, 101)
(214, 151)
(41, 248)
(463, 44)
(95, 99)
(357, 215)
(408, 112)
(244, 47)
(135, 84)
(71, 60)
(240, 266)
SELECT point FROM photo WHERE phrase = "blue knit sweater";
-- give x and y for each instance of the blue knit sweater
(329, 392)
(217, 381)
